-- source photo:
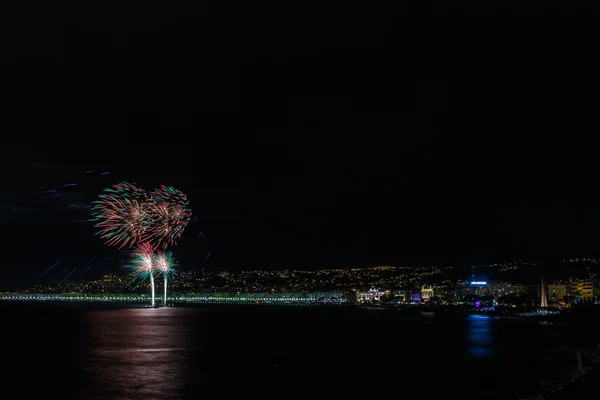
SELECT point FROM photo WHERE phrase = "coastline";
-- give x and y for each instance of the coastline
(575, 374)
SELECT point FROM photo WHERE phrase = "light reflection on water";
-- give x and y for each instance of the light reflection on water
(213, 352)
(145, 357)
(428, 317)
(479, 336)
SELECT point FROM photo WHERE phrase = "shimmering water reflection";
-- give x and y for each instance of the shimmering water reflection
(479, 334)
(261, 352)
(145, 353)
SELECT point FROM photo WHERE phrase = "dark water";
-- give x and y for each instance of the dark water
(266, 352)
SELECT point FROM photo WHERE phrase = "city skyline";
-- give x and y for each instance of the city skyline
(392, 277)
(383, 285)
(216, 201)
(297, 160)
(119, 264)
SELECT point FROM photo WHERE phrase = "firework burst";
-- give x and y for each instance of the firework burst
(126, 215)
(165, 264)
(122, 215)
(170, 215)
(143, 266)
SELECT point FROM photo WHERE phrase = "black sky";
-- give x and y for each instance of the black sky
(350, 139)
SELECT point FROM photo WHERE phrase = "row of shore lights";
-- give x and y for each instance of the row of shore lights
(144, 298)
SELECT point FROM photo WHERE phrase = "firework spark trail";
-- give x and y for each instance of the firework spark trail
(63, 271)
(126, 216)
(153, 290)
(165, 283)
(86, 270)
(165, 264)
(134, 280)
(55, 195)
(103, 261)
(170, 214)
(46, 271)
(67, 277)
(91, 261)
(206, 257)
(142, 265)
(89, 172)
(67, 185)
(49, 191)
(121, 215)
(72, 205)
(105, 173)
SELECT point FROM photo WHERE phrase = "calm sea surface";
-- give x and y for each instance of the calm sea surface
(266, 352)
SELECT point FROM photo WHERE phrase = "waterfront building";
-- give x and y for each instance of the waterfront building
(584, 287)
(472, 288)
(373, 294)
(426, 293)
(557, 291)
(520, 289)
(500, 289)
(412, 297)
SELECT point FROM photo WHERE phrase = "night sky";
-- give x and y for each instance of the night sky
(301, 145)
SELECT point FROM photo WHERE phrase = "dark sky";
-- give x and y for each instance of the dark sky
(344, 140)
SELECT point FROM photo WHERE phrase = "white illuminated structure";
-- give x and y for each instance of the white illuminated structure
(544, 298)
(426, 293)
(372, 295)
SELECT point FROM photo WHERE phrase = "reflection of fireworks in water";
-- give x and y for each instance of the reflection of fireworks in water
(170, 215)
(165, 264)
(142, 265)
(121, 215)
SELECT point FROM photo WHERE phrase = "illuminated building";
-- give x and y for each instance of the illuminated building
(472, 288)
(426, 293)
(400, 294)
(327, 295)
(499, 289)
(413, 297)
(372, 295)
(520, 289)
(557, 292)
(584, 287)
(481, 288)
